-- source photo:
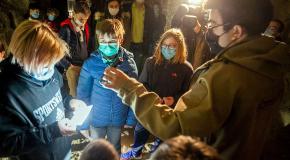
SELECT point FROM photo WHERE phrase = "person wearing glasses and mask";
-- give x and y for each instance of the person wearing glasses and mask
(166, 73)
(233, 97)
(108, 114)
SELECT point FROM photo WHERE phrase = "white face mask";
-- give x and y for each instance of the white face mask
(79, 23)
(114, 11)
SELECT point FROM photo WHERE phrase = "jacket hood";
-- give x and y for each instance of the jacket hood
(260, 54)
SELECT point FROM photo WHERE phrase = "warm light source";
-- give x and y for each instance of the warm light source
(195, 2)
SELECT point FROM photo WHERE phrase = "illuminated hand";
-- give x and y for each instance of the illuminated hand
(66, 127)
(168, 101)
(114, 78)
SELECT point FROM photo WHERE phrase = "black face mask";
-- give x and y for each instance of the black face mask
(212, 41)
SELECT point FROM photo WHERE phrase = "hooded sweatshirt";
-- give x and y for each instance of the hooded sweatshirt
(231, 102)
(29, 111)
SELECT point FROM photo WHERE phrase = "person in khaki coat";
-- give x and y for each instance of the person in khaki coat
(232, 97)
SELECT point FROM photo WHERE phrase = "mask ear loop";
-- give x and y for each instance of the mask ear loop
(233, 41)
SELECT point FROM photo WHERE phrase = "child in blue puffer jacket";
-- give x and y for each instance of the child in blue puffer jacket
(108, 114)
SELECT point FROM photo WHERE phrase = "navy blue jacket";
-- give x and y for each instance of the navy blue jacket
(108, 109)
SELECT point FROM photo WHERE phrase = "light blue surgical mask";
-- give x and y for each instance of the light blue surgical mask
(35, 15)
(45, 74)
(51, 17)
(109, 49)
(167, 52)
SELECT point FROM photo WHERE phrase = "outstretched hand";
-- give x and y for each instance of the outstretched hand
(114, 78)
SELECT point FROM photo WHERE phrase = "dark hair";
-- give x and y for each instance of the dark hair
(189, 21)
(99, 150)
(82, 7)
(281, 25)
(181, 11)
(111, 26)
(108, 1)
(54, 10)
(253, 15)
(34, 5)
(184, 148)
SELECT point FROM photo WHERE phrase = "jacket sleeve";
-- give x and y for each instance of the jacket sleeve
(65, 96)
(85, 84)
(63, 34)
(16, 137)
(84, 90)
(131, 119)
(199, 112)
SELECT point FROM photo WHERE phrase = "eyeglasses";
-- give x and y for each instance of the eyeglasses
(108, 42)
(170, 46)
(212, 25)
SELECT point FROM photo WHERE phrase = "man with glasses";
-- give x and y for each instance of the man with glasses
(108, 114)
(235, 95)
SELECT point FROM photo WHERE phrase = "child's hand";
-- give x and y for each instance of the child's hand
(66, 127)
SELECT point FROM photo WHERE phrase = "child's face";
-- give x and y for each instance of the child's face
(81, 18)
(51, 16)
(108, 38)
(114, 4)
(109, 45)
(34, 11)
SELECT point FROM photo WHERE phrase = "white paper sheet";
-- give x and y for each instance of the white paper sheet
(80, 115)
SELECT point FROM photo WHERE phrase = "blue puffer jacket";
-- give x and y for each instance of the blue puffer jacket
(108, 109)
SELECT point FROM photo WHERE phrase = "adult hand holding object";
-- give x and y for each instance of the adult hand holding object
(113, 78)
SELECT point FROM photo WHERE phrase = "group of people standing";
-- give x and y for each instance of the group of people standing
(100, 56)
(83, 70)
